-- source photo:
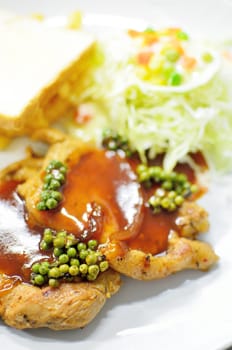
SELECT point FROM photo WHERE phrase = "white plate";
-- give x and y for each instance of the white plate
(190, 310)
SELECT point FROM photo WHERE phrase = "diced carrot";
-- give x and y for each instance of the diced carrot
(188, 62)
(133, 33)
(144, 57)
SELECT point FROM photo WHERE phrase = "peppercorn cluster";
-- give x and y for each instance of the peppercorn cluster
(114, 141)
(55, 177)
(174, 187)
(72, 260)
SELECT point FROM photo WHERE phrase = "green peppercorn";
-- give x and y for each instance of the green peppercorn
(83, 268)
(63, 170)
(44, 268)
(71, 252)
(91, 259)
(51, 203)
(62, 234)
(104, 265)
(92, 244)
(35, 268)
(56, 195)
(59, 242)
(45, 195)
(44, 245)
(178, 200)
(41, 206)
(93, 270)
(165, 203)
(81, 246)
(83, 254)
(48, 238)
(141, 168)
(91, 277)
(54, 283)
(60, 177)
(73, 270)
(57, 251)
(54, 184)
(74, 261)
(63, 258)
(167, 185)
(64, 268)
(39, 280)
(48, 178)
(54, 272)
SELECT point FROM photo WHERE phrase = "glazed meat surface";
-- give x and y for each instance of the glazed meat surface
(72, 305)
(183, 250)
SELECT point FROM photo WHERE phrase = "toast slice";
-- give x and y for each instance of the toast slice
(37, 65)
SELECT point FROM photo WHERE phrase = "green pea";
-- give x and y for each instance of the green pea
(92, 244)
(73, 270)
(182, 35)
(41, 206)
(35, 267)
(83, 268)
(149, 30)
(54, 283)
(175, 79)
(54, 184)
(91, 277)
(104, 265)
(59, 242)
(81, 246)
(51, 203)
(39, 280)
(207, 57)
(57, 251)
(54, 272)
(172, 55)
(63, 258)
(64, 268)
(71, 252)
(74, 261)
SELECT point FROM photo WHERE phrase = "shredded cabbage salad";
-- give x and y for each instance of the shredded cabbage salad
(165, 93)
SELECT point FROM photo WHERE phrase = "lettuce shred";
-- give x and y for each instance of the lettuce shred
(170, 122)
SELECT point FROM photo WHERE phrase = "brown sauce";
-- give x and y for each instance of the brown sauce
(19, 246)
(101, 199)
